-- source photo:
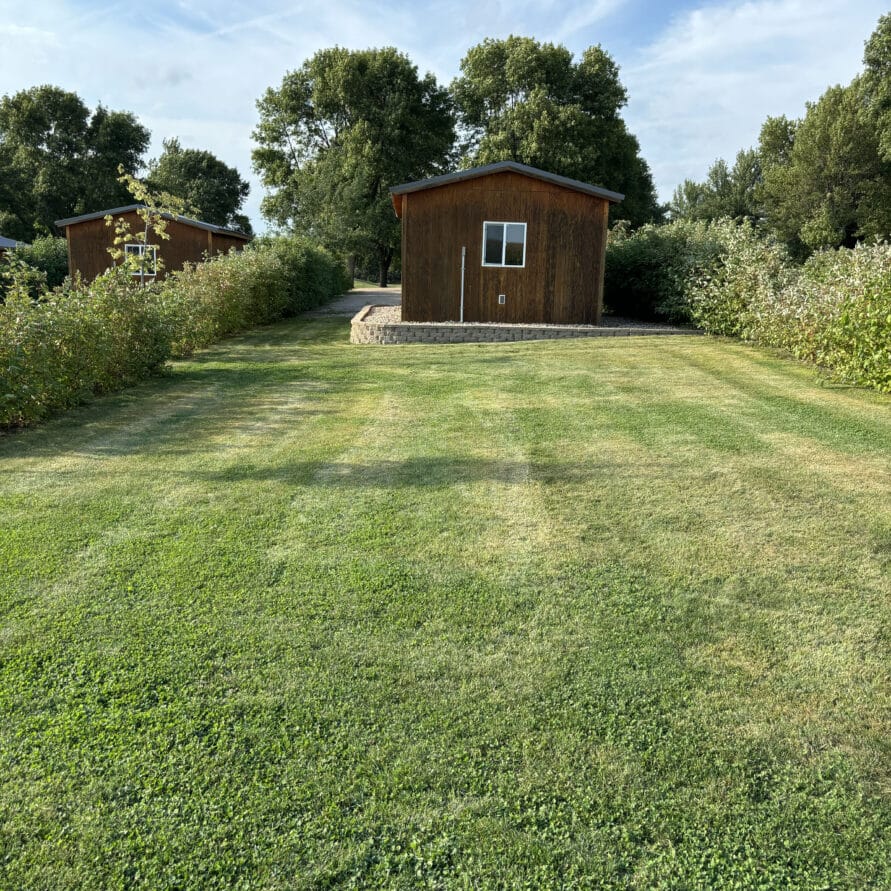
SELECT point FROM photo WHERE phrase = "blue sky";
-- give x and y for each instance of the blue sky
(701, 76)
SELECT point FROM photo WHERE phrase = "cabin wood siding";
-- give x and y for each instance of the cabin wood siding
(89, 241)
(561, 282)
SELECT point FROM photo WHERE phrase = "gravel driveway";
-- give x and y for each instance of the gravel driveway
(350, 303)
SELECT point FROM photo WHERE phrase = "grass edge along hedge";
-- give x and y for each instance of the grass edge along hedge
(87, 339)
(728, 279)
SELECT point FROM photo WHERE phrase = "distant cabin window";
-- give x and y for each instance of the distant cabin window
(504, 244)
(141, 250)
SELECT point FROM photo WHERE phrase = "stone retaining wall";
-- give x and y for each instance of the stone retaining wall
(367, 330)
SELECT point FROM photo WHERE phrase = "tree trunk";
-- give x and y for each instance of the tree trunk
(385, 256)
(351, 268)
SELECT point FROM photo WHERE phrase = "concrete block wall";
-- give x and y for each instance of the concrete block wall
(366, 330)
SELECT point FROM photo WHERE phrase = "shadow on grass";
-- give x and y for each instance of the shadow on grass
(418, 472)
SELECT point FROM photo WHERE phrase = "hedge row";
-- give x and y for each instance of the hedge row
(648, 273)
(82, 340)
(834, 311)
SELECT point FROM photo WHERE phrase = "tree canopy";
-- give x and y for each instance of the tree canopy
(829, 187)
(340, 131)
(57, 159)
(532, 102)
(211, 189)
(727, 191)
(876, 82)
(821, 181)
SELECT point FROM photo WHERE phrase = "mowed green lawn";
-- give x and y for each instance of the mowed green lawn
(596, 614)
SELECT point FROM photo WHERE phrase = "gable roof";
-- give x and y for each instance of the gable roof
(129, 208)
(506, 167)
(10, 243)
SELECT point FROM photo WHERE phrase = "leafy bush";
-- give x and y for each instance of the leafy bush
(18, 277)
(61, 350)
(648, 273)
(87, 339)
(50, 255)
(834, 311)
(273, 279)
(837, 314)
(740, 291)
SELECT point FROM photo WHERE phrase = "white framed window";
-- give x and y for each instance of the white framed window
(504, 244)
(143, 250)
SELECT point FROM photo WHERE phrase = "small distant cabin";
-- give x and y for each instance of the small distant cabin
(89, 239)
(503, 243)
(9, 244)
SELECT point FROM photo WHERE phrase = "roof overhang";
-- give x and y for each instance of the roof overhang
(131, 208)
(446, 179)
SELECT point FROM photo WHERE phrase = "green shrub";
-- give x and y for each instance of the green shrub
(835, 311)
(270, 280)
(50, 255)
(740, 291)
(648, 273)
(71, 345)
(20, 278)
(313, 274)
(838, 315)
(728, 279)
(85, 339)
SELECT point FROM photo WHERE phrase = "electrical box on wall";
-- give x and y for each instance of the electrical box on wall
(502, 299)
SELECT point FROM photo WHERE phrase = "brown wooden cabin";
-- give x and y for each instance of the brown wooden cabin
(534, 245)
(89, 239)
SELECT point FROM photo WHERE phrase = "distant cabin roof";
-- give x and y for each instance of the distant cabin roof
(115, 211)
(9, 243)
(504, 167)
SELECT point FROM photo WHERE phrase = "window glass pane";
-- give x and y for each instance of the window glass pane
(516, 244)
(494, 243)
(140, 251)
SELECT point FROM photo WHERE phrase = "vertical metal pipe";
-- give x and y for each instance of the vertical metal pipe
(463, 255)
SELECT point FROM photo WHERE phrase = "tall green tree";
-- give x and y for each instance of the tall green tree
(337, 133)
(776, 141)
(825, 183)
(821, 181)
(212, 189)
(730, 192)
(532, 102)
(16, 212)
(114, 139)
(58, 159)
(876, 82)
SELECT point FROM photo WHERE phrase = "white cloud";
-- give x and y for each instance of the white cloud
(24, 33)
(704, 87)
(572, 21)
(195, 68)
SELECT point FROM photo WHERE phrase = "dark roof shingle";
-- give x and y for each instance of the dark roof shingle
(114, 211)
(505, 167)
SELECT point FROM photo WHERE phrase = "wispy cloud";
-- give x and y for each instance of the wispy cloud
(571, 21)
(27, 34)
(702, 88)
